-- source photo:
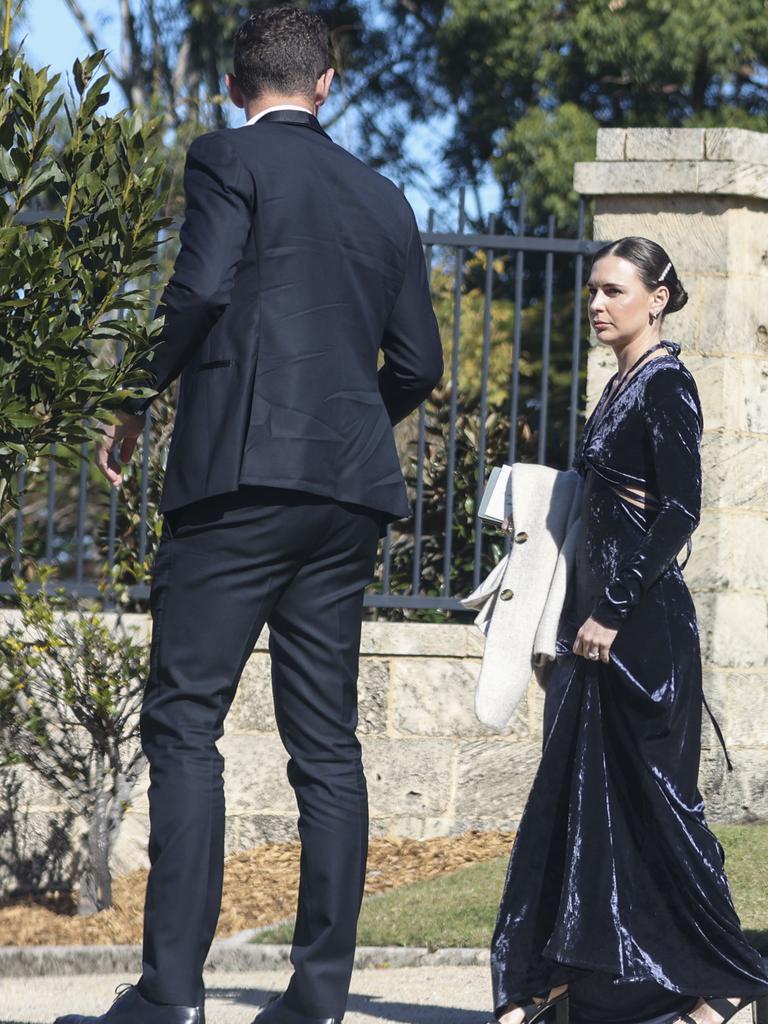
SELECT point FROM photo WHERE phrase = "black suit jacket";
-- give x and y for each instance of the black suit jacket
(297, 264)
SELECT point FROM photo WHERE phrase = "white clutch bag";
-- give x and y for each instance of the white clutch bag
(496, 503)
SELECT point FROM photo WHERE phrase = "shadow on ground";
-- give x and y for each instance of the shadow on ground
(371, 1006)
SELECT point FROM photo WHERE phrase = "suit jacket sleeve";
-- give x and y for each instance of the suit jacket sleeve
(220, 198)
(413, 355)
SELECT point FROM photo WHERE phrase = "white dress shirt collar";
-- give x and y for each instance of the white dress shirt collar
(279, 106)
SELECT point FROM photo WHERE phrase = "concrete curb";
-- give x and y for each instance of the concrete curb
(225, 955)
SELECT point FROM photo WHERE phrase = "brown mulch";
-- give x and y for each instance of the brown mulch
(259, 888)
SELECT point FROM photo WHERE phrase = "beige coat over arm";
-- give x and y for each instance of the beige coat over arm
(521, 600)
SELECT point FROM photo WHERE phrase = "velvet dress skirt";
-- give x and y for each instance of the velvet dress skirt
(615, 884)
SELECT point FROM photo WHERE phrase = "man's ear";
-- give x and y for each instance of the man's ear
(234, 90)
(323, 87)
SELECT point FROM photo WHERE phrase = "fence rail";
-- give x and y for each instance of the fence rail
(526, 275)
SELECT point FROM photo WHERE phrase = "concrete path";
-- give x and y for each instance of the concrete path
(409, 995)
(412, 995)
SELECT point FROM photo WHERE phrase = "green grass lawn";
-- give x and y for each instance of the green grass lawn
(460, 909)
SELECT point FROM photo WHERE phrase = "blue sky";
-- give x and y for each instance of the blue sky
(54, 37)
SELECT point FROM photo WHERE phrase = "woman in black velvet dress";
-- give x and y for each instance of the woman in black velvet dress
(615, 897)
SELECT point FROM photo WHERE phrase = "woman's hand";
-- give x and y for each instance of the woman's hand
(593, 641)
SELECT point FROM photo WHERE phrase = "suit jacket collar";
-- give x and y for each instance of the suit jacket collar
(300, 117)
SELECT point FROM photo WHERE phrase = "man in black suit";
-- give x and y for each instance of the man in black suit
(298, 264)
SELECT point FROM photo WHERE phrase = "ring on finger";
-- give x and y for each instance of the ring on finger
(593, 653)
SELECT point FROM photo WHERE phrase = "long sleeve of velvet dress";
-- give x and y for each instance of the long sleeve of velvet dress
(615, 884)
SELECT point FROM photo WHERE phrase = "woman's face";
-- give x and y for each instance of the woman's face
(620, 305)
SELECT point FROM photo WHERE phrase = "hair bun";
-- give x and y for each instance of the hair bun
(678, 296)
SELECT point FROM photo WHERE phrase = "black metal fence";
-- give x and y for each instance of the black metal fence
(512, 317)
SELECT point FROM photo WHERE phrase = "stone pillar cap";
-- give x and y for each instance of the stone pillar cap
(693, 161)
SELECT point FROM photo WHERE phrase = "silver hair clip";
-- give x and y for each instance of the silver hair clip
(664, 272)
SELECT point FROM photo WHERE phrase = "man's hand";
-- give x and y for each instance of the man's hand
(593, 641)
(118, 445)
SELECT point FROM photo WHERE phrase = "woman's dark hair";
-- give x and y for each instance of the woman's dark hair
(281, 50)
(653, 266)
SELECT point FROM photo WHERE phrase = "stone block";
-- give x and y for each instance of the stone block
(665, 144)
(646, 177)
(747, 553)
(736, 144)
(753, 406)
(747, 226)
(611, 143)
(696, 242)
(601, 365)
(432, 639)
(40, 854)
(33, 793)
(255, 775)
(734, 629)
(535, 698)
(737, 796)
(139, 800)
(715, 690)
(709, 567)
(436, 697)
(405, 827)
(495, 777)
(733, 178)
(735, 471)
(244, 831)
(703, 234)
(683, 326)
(704, 602)
(262, 644)
(373, 685)
(408, 777)
(746, 695)
(131, 851)
(718, 380)
(475, 642)
(253, 709)
(489, 824)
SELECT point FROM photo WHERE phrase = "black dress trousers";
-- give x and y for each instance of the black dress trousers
(224, 568)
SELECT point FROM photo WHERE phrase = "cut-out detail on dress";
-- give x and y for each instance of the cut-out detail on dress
(636, 496)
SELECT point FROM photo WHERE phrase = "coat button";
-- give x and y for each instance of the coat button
(521, 538)
(506, 594)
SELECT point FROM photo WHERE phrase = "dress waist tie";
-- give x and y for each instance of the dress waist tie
(718, 731)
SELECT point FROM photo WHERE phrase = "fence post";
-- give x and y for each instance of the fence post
(703, 195)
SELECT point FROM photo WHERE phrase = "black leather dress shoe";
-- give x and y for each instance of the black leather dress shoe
(277, 1012)
(131, 1007)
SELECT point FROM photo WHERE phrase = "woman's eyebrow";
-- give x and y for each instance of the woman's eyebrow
(605, 284)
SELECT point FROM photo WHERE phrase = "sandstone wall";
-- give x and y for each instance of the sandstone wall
(703, 195)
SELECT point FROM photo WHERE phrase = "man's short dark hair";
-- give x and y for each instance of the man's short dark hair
(281, 50)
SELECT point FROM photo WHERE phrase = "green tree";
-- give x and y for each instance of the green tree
(174, 54)
(74, 282)
(532, 80)
(71, 684)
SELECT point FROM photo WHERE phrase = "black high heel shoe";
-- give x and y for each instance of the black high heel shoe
(539, 1013)
(724, 1007)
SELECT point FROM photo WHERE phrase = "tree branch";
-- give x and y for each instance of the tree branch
(413, 9)
(90, 34)
(135, 86)
(352, 97)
